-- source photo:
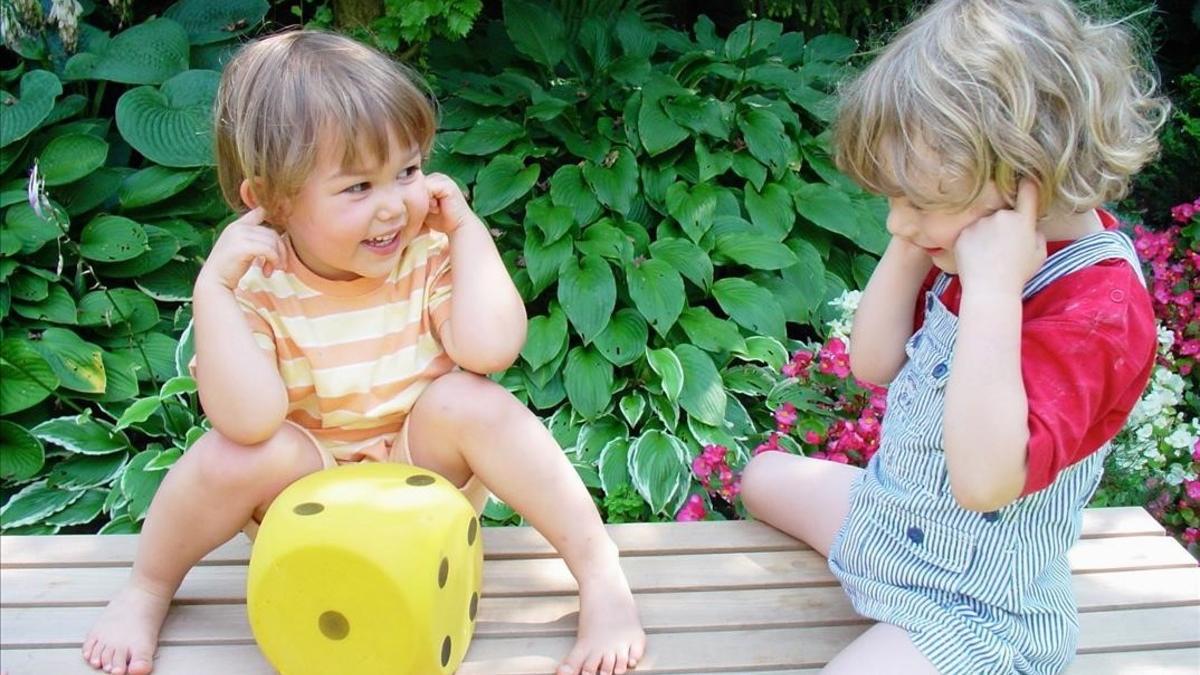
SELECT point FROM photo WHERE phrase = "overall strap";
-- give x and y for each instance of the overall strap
(1084, 252)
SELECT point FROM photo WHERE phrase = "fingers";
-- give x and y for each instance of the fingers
(254, 216)
(1027, 199)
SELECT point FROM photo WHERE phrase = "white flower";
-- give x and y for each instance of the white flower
(65, 13)
(36, 192)
(1166, 340)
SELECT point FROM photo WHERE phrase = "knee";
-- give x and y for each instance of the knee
(757, 479)
(220, 461)
(460, 398)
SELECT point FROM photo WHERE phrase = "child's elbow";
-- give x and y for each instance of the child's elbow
(870, 372)
(984, 497)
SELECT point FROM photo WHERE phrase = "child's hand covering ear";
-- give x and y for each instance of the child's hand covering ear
(1001, 251)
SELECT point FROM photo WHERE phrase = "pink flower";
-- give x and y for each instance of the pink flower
(692, 510)
(1191, 535)
(1193, 489)
(785, 417)
(834, 360)
(771, 444)
(1183, 213)
(812, 438)
(798, 365)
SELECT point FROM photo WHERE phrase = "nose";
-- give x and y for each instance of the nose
(391, 203)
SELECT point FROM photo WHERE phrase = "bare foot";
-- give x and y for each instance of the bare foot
(610, 639)
(125, 636)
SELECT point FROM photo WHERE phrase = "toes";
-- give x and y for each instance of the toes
(636, 651)
(120, 660)
(607, 663)
(622, 663)
(574, 661)
(140, 664)
(592, 664)
(106, 658)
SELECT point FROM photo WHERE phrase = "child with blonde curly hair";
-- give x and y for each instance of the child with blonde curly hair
(350, 315)
(1008, 317)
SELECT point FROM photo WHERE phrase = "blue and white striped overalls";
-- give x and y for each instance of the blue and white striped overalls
(977, 593)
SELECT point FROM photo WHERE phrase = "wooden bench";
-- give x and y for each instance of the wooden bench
(715, 597)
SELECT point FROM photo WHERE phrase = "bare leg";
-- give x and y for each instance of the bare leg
(806, 498)
(213, 489)
(884, 648)
(464, 424)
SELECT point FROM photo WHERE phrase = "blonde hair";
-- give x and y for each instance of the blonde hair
(998, 90)
(282, 94)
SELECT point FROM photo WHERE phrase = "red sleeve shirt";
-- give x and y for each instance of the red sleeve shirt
(1088, 345)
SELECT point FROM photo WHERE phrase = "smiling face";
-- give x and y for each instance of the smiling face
(348, 222)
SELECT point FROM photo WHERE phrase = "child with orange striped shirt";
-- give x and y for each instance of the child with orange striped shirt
(356, 327)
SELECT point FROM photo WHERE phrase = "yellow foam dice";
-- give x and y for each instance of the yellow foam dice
(365, 569)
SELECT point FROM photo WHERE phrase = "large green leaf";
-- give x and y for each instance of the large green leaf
(657, 291)
(25, 226)
(569, 189)
(543, 260)
(112, 238)
(766, 138)
(77, 363)
(603, 238)
(161, 249)
(537, 31)
(828, 208)
(623, 340)
(35, 503)
(658, 131)
(21, 114)
(57, 307)
(126, 308)
(85, 471)
(503, 181)
(759, 252)
(83, 510)
(70, 157)
(92, 190)
(170, 283)
(171, 125)
(546, 338)
(666, 364)
(766, 350)
(771, 210)
(147, 53)
(658, 468)
(614, 464)
(154, 184)
(554, 221)
(632, 406)
(710, 333)
(751, 306)
(487, 136)
(615, 181)
(139, 484)
(689, 259)
(82, 434)
(701, 114)
(154, 354)
(692, 208)
(596, 435)
(808, 273)
(21, 454)
(587, 291)
(588, 379)
(26, 378)
(703, 395)
(207, 22)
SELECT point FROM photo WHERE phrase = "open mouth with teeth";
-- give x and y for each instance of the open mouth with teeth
(382, 243)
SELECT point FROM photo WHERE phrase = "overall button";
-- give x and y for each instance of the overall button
(991, 516)
(940, 369)
(915, 535)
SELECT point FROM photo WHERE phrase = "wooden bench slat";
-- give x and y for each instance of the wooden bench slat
(633, 539)
(1170, 631)
(24, 586)
(26, 627)
(1157, 662)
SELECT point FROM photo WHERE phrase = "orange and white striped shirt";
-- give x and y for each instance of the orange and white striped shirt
(354, 355)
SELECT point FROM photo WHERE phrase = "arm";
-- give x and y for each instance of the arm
(884, 319)
(240, 388)
(986, 416)
(487, 324)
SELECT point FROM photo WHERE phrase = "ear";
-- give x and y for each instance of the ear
(246, 192)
